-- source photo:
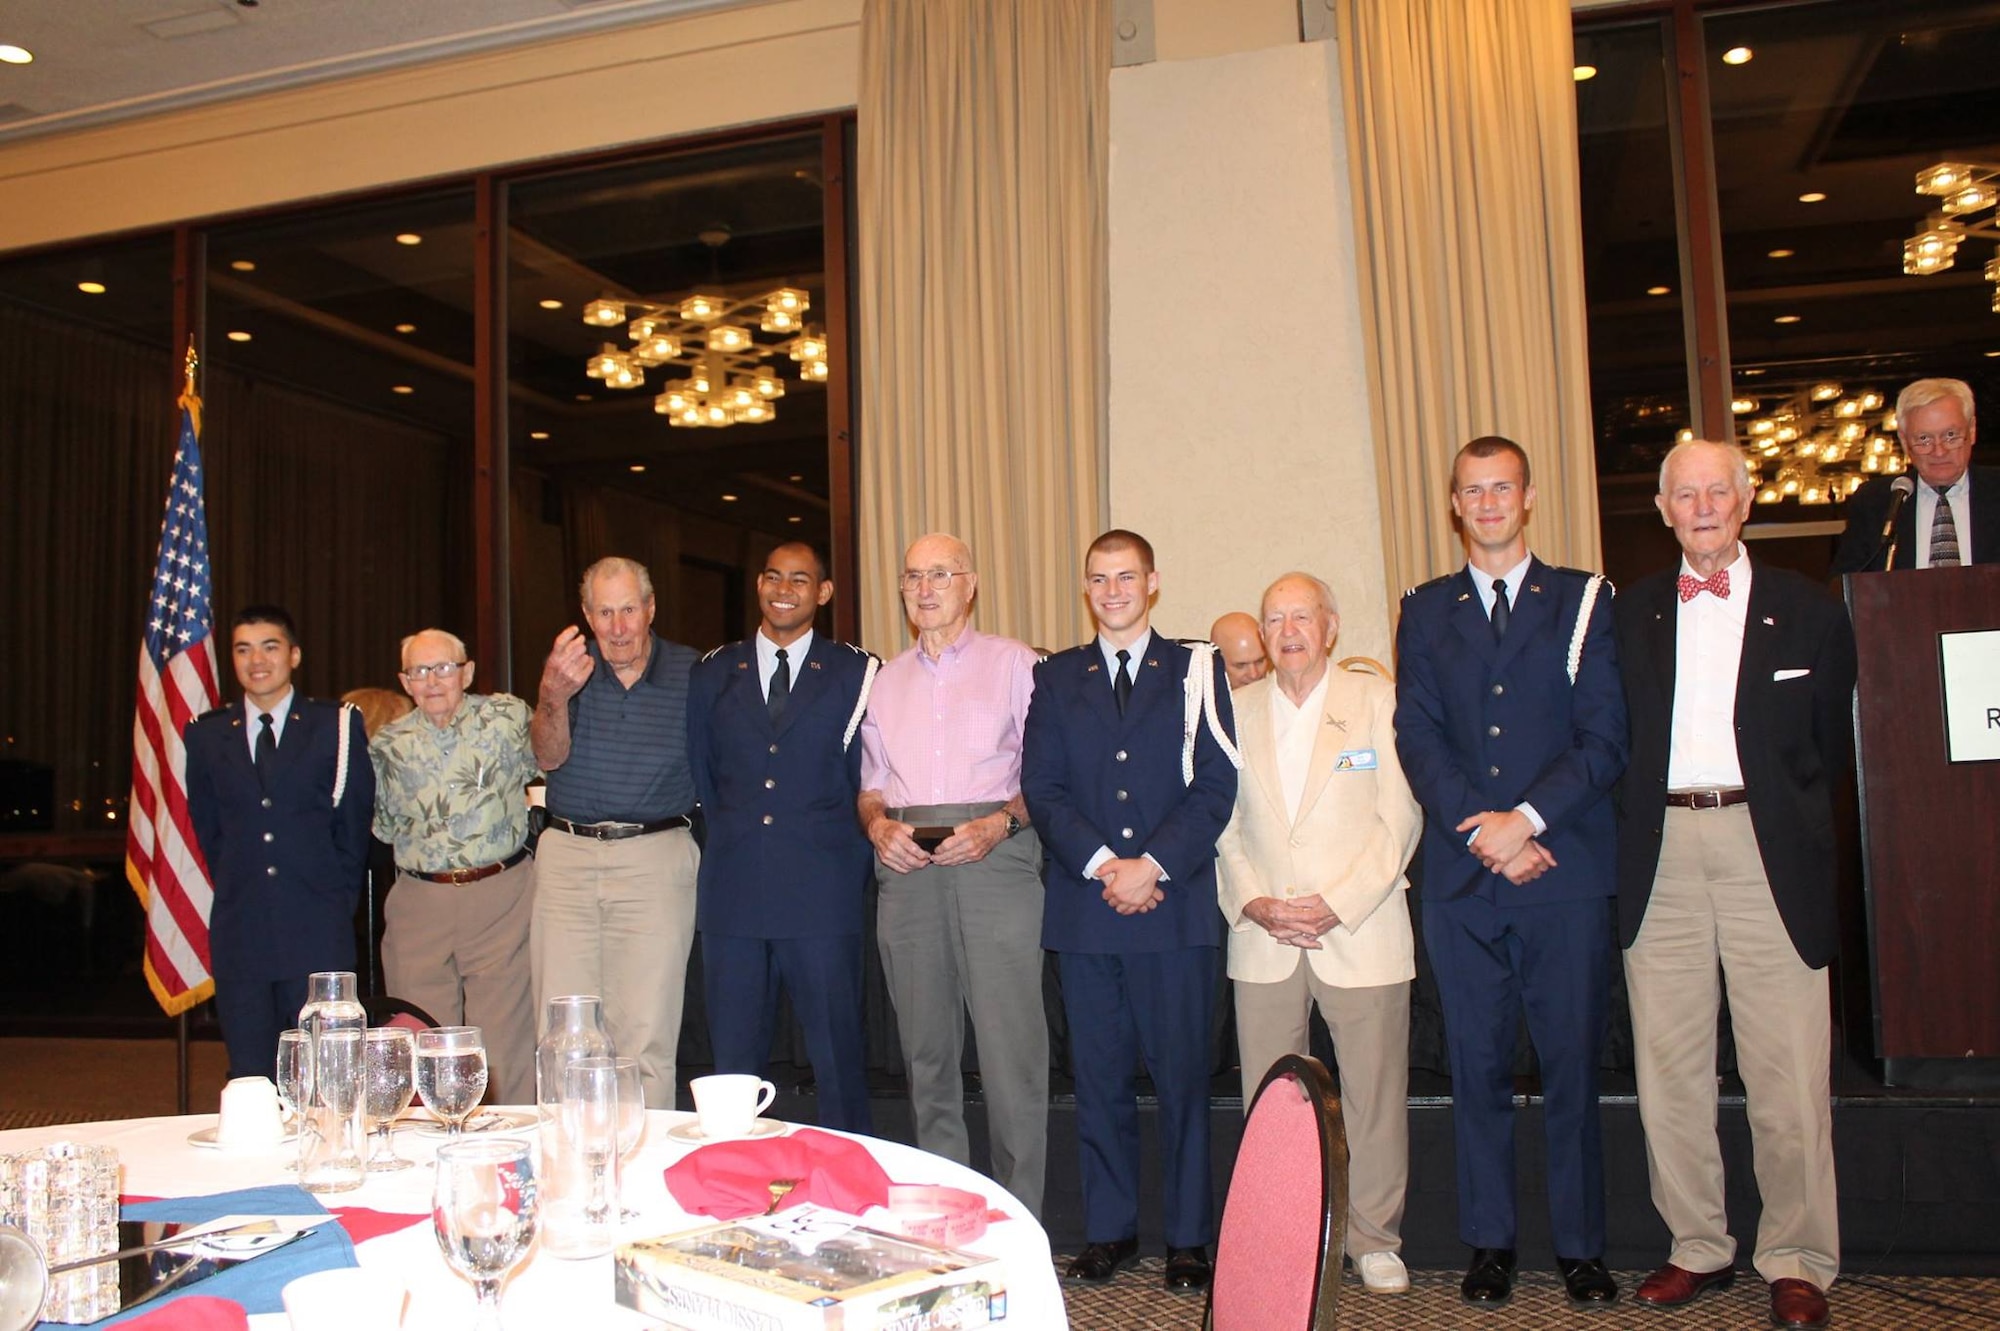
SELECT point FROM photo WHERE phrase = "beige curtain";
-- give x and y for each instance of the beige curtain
(984, 131)
(1461, 122)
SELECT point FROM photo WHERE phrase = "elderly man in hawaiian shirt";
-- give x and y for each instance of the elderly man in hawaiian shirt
(449, 779)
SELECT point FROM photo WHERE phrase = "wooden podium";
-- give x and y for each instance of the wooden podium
(1930, 826)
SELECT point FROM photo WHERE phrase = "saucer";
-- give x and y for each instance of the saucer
(763, 1127)
(206, 1139)
(425, 1124)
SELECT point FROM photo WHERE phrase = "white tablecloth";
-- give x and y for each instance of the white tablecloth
(548, 1291)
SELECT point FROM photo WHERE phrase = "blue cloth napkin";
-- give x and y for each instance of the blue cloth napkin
(258, 1284)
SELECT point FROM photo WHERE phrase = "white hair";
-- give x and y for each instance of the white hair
(1326, 598)
(1686, 446)
(611, 565)
(1923, 392)
(457, 644)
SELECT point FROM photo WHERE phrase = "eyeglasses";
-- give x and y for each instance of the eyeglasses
(1935, 443)
(443, 670)
(936, 578)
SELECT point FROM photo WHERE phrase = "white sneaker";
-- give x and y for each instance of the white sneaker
(1382, 1273)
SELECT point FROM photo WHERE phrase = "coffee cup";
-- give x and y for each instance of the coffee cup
(252, 1115)
(348, 1298)
(728, 1103)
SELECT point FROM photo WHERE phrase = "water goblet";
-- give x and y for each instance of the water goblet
(389, 1062)
(590, 1123)
(451, 1073)
(484, 1210)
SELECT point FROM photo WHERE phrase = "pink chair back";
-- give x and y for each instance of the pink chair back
(1277, 1259)
(405, 1021)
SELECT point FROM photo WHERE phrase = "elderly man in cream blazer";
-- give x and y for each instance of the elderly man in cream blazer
(1311, 881)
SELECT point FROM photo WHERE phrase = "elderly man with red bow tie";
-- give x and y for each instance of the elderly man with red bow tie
(1738, 681)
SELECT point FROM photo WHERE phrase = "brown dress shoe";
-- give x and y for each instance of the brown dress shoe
(1671, 1286)
(1797, 1303)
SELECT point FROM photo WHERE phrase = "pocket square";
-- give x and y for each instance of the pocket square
(1779, 676)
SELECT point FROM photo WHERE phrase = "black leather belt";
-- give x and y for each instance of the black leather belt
(618, 831)
(1707, 799)
(467, 875)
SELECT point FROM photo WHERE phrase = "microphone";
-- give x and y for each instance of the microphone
(1900, 491)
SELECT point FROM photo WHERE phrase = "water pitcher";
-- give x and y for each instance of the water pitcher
(331, 1119)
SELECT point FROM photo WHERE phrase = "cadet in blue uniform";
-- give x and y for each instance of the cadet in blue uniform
(771, 737)
(1510, 720)
(281, 793)
(1130, 792)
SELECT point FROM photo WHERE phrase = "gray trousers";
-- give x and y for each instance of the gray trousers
(969, 937)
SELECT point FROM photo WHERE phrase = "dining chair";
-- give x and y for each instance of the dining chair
(383, 1010)
(1367, 665)
(1284, 1222)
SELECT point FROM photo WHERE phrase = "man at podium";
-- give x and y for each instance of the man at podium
(1949, 514)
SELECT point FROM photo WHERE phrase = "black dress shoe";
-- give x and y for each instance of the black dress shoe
(1587, 1283)
(1188, 1270)
(1098, 1262)
(1489, 1280)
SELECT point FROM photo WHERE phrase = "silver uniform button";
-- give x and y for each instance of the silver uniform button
(1499, 689)
(774, 748)
(1493, 730)
(270, 871)
(269, 837)
(1125, 832)
(265, 802)
(1120, 755)
(769, 819)
(1493, 771)
(770, 783)
(1123, 796)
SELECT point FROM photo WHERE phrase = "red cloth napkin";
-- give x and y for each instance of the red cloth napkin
(729, 1180)
(363, 1224)
(192, 1312)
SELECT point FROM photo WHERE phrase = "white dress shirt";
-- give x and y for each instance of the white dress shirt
(767, 659)
(1294, 731)
(1959, 495)
(1708, 648)
(279, 713)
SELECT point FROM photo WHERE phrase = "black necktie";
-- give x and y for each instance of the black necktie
(781, 685)
(1121, 684)
(267, 746)
(1500, 609)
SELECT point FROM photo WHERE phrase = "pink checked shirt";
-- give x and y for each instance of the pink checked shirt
(948, 731)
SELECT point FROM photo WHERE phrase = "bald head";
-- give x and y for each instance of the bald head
(1236, 636)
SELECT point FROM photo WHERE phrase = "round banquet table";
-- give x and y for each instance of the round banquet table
(547, 1291)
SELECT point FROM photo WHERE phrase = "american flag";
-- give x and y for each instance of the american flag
(177, 680)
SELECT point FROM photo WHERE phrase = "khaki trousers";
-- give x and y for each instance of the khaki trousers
(1711, 905)
(616, 919)
(459, 951)
(1371, 1043)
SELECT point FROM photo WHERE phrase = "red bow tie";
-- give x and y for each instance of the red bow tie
(1717, 584)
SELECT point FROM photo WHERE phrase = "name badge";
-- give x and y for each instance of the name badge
(1355, 760)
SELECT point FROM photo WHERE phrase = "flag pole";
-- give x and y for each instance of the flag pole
(181, 1019)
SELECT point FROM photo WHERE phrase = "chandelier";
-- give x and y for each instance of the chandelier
(1966, 189)
(713, 349)
(1818, 445)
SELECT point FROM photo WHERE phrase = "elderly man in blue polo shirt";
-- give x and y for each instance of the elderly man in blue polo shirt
(615, 872)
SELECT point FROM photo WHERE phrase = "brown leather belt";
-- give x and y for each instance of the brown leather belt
(1707, 799)
(467, 875)
(618, 831)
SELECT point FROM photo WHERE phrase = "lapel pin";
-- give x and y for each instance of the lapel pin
(1535, 587)
(812, 665)
(742, 665)
(1151, 662)
(1337, 724)
(1772, 622)
(1090, 669)
(1465, 596)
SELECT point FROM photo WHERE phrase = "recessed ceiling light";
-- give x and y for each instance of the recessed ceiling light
(1812, 196)
(1582, 72)
(403, 389)
(409, 238)
(238, 335)
(1992, 354)
(1737, 55)
(243, 265)
(795, 518)
(551, 304)
(15, 55)
(406, 328)
(729, 499)
(585, 397)
(1786, 319)
(798, 477)
(538, 434)
(91, 288)
(1780, 254)
(636, 467)
(1658, 291)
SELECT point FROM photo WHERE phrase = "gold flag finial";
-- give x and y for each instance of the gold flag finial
(192, 361)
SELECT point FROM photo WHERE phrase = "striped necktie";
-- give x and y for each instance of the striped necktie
(1944, 532)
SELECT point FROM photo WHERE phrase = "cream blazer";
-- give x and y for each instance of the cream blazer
(1356, 830)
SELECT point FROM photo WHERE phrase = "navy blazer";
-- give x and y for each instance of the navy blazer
(1094, 778)
(287, 865)
(1485, 726)
(785, 856)
(1794, 742)
(1861, 546)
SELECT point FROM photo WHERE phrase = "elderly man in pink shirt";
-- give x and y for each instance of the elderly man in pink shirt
(960, 915)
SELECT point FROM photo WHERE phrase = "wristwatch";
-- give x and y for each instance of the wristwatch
(1013, 824)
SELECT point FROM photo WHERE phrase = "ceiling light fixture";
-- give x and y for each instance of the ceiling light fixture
(795, 518)
(91, 288)
(1819, 444)
(237, 335)
(538, 434)
(715, 339)
(1966, 190)
(1658, 291)
(409, 238)
(15, 55)
(1812, 196)
(1737, 55)
(1786, 319)
(550, 304)
(401, 390)
(406, 328)
(243, 265)
(729, 499)
(1780, 254)
(1582, 72)
(636, 468)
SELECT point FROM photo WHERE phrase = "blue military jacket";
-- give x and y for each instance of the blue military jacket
(1094, 778)
(1485, 726)
(785, 856)
(286, 863)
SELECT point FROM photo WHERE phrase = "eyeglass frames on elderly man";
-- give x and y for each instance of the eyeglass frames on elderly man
(443, 670)
(1942, 442)
(936, 578)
